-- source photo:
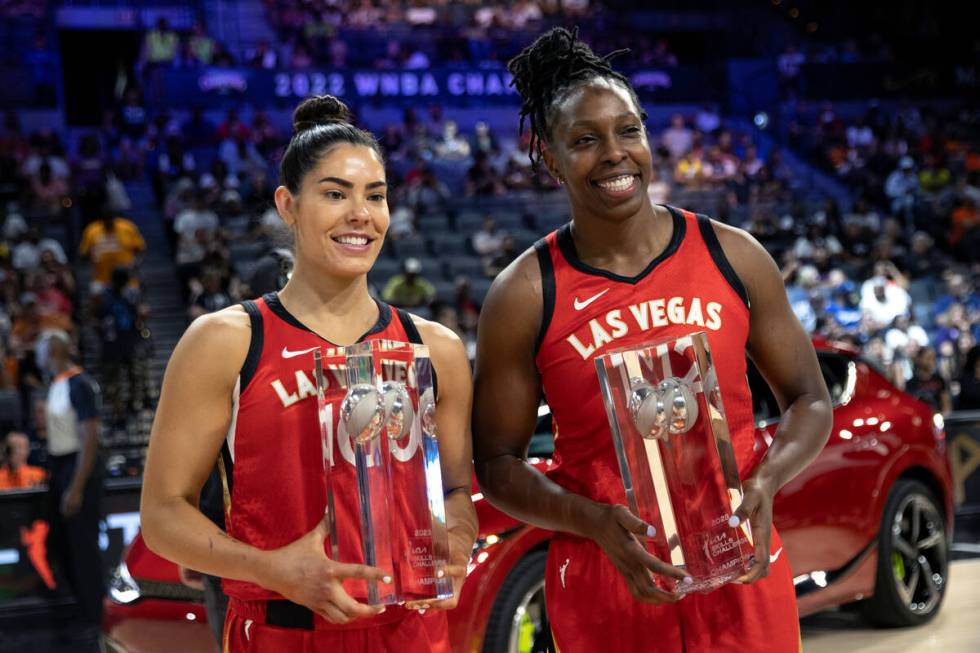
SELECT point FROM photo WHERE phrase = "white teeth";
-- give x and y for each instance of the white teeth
(352, 240)
(618, 184)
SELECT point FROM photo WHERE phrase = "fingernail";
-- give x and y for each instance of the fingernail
(651, 531)
(386, 579)
(425, 606)
(381, 609)
(440, 573)
(688, 580)
(734, 521)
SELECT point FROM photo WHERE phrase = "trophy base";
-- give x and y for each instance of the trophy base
(706, 584)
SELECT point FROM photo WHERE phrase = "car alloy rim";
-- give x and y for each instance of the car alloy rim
(529, 619)
(918, 554)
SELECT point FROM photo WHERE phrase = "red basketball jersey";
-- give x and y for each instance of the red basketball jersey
(273, 457)
(690, 287)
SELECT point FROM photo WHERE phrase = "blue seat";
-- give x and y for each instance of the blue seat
(449, 244)
(409, 247)
(468, 266)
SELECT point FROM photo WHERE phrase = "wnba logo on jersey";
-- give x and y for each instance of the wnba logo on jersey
(644, 316)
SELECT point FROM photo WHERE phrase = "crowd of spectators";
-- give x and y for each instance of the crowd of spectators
(46, 192)
(898, 273)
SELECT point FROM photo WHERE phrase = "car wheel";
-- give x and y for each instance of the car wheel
(913, 559)
(518, 621)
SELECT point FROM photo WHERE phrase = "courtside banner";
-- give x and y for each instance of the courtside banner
(963, 436)
(219, 87)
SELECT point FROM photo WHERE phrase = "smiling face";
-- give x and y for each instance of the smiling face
(340, 215)
(599, 146)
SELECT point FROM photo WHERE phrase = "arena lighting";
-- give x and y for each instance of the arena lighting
(761, 120)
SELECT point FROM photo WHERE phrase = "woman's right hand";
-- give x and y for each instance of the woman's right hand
(618, 531)
(302, 573)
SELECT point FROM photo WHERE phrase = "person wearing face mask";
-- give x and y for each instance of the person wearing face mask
(624, 272)
(237, 390)
(73, 425)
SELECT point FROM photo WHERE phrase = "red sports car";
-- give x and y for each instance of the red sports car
(868, 523)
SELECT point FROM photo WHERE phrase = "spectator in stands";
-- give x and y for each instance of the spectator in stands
(119, 313)
(402, 218)
(211, 298)
(508, 252)
(925, 259)
(483, 140)
(49, 192)
(707, 120)
(241, 157)
(902, 188)
(409, 289)
(15, 473)
(482, 178)
(964, 234)
(927, 385)
(160, 44)
(263, 56)
(195, 228)
(452, 146)
(969, 397)
(75, 481)
(789, 63)
(884, 297)
(489, 240)
(202, 46)
(109, 243)
(427, 194)
(677, 138)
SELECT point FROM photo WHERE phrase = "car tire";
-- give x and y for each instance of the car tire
(518, 620)
(913, 559)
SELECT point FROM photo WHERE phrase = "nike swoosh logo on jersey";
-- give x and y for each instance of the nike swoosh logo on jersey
(773, 557)
(292, 354)
(580, 305)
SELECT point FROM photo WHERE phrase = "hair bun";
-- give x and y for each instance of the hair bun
(319, 110)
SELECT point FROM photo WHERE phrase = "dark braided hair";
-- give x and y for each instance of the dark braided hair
(549, 67)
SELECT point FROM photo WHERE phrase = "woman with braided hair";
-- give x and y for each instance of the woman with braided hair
(623, 272)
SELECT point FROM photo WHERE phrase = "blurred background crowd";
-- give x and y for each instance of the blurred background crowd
(122, 228)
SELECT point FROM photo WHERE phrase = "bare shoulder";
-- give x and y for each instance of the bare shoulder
(444, 344)
(515, 295)
(752, 263)
(221, 339)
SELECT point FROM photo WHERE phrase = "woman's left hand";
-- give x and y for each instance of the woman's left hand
(756, 507)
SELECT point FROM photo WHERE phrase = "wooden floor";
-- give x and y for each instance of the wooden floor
(955, 630)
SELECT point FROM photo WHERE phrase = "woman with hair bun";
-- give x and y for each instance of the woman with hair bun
(237, 391)
(622, 273)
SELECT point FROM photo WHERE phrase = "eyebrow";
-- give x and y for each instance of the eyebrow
(588, 123)
(347, 184)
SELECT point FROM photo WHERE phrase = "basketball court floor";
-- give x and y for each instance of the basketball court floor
(956, 629)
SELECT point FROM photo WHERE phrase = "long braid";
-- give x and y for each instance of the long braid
(542, 71)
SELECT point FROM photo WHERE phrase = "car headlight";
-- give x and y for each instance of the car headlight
(123, 589)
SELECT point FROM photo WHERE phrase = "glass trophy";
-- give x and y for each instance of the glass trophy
(387, 416)
(676, 458)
